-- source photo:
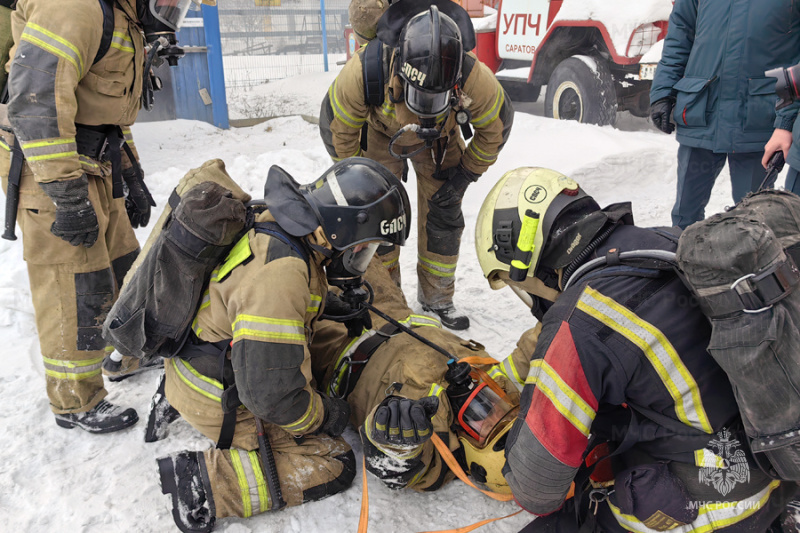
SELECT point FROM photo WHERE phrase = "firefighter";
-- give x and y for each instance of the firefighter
(245, 379)
(401, 391)
(619, 364)
(74, 89)
(425, 89)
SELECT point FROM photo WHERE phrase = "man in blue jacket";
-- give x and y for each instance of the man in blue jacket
(711, 82)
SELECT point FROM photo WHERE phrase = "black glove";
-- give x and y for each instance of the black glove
(403, 422)
(76, 221)
(138, 200)
(661, 113)
(337, 416)
(457, 179)
(336, 307)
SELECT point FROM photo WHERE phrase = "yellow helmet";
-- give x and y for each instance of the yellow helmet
(485, 462)
(364, 15)
(515, 234)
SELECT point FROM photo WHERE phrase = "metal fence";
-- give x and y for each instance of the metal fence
(266, 40)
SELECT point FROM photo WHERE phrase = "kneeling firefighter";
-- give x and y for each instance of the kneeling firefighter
(244, 378)
(411, 95)
(621, 395)
(403, 392)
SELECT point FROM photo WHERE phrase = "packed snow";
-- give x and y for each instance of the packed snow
(52, 479)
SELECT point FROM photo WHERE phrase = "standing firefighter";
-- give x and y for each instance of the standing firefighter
(74, 89)
(621, 360)
(410, 95)
(244, 379)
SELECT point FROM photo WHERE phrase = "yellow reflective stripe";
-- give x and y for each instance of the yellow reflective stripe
(388, 110)
(238, 255)
(261, 482)
(268, 328)
(707, 459)
(86, 161)
(316, 301)
(205, 302)
(493, 112)
(483, 156)
(421, 320)
(4, 145)
(301, 424)
(50, 149)
(436, 390)
(391, 263)
(241, 477)
(35, 34)
(495, 372)
(204, 385)
(510, 370)
(51, 156)
(72, 370)
(711, 516)
(343, 361)
(443, 270)
(562, 396)
(121, 42)
(659, 351)
(340, 113)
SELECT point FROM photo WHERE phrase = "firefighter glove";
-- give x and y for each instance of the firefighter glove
(138, 201)
(76, 221)
(660, 113)
(337, 416)
(402, 422)
(336, 308)
(456, 181)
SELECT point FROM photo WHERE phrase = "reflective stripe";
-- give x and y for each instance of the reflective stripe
(436, 390)
(50, 149)
(88, 162)
(47, 40)
(387, 109)
(562, 396)
(659, 351)
(493, 112)
(340, 113)
(711, 516)
(507, 365)
(316, 301)
(443, 270)
(260, 327)
(238, 255)
(74, 370)
(396, 453)
(210, 388)
(308, 418)
(391, 263)
(421, 320)
(496, 372)
(708, 459)
(481, 155)
(336, 190)
(343, 362)
(4, 145)
(126, 132)
(120, 41)
(252, 485)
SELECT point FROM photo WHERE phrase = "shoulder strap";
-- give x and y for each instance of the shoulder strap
(274, 230)
(372, 63)
(108, 29)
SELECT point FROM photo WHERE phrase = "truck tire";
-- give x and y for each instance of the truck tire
(521, 91)
(581, 88)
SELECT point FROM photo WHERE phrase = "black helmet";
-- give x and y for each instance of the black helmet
(430, 57)
(356, 201)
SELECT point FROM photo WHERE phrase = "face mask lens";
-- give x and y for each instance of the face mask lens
(357, 258)
(170, 12)
(425, 104)
(482, 412)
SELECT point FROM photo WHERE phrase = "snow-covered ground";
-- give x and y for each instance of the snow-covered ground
(69, 481)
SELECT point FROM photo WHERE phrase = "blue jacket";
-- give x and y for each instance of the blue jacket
(715, 55)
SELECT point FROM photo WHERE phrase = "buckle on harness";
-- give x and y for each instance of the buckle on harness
(597, 496)
(767, 287)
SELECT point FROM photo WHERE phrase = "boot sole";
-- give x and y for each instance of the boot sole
(66, 424)
(166, 472)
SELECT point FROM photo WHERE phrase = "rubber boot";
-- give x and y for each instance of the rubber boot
(181, 478)
(449, 317)
(105, 417)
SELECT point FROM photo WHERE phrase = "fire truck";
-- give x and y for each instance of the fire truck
(596, 57)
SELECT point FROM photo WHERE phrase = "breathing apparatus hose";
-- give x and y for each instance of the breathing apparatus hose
(658, 255)
(147, 80)
(581, 257)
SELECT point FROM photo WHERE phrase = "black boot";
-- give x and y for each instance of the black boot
(115, 371)
(449, 316)
(162, 414)
(181, 478)
(105, 417)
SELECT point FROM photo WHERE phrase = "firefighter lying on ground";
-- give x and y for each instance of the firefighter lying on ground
(261, 313)
(426, 89)
(394, 384)
(620, 357)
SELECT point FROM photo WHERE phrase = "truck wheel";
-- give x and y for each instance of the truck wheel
(581, 88)
(521, 91)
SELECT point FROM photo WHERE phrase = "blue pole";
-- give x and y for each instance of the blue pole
(324, 35)
(216, 72)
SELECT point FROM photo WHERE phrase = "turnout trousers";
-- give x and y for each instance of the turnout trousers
(438, 230)
(73, 288)
(309, 468)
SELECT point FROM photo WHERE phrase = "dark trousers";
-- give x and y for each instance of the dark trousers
(698, 170)
(793, 181)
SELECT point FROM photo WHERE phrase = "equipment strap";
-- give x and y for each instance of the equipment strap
(372, 68)
(108, 29)
(364, 351)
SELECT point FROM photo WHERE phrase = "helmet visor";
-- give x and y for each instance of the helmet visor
(170, 12)
(424, 104)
